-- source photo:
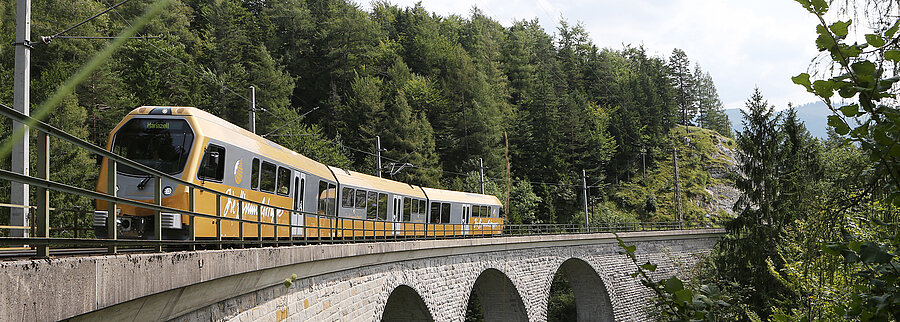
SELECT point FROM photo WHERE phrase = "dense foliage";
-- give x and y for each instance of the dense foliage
(441, 92)
(817, 236)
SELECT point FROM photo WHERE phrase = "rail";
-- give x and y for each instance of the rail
(327, 229)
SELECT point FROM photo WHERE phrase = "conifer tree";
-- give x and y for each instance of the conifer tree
(710, 112)
(683, 83)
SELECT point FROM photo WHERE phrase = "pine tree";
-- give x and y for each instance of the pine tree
(710, 112)
(748, 249)
(683, 82)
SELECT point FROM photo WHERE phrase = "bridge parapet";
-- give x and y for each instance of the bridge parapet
(164, 286)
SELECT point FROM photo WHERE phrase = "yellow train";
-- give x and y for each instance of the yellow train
(325, 201)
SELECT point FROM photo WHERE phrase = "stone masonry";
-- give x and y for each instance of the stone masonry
(444, 283)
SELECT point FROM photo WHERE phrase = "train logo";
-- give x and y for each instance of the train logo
(238, 172)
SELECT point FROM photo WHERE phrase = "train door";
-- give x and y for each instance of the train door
(297, 217)
(398, 214)
(466, 213)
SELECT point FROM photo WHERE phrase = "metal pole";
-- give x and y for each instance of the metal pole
(678, 208)
(481, 172)
(218, 220)
(378, 155)
(21, 101)
(644, 162)
(42, 217)
(157, 215)
(112, 222)
(253, 109)
(192, 208)
(584, 187)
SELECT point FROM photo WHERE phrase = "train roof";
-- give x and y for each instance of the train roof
(462, 197)
(214, 127)
(357, 179)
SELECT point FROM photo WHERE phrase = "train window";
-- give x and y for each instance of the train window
(327, 192)
(483, 211)
(212, 167)
(284, 181)
(372, 210)
(332, 199)
(267, 177)
(476, 211)
(360, 199)
(347, 198)
(445, 213)
(302, 189)
(382, 206)
(254, 175)
(298, 194)
(407, 209)
(415, 206)
(422, 207)
(435, 212)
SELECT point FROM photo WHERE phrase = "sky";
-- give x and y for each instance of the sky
(742, 44)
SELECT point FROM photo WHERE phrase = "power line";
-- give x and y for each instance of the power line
(201, 74)
(292, 121)
(47, 39)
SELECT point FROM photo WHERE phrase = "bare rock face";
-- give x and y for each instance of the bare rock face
(724, 166)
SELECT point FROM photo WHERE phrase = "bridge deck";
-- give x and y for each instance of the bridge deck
(162, 286)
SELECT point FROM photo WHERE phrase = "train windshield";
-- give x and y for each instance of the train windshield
(162, 144)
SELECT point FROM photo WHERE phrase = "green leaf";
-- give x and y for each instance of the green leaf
(891, 31)
(649, 267)
(803, 80)
(820, 6)
(850, 51)
(850, 110)
(823, 88)
(683, 295)
(882, 138)
(833, 249)
(863, 68)
(288, 283)
(630, 249)
(892, 55)
(824, 42)
(839, 28)
(875, 40)
(871, 253)
(838, 124)
(673, 285)
(848, 91)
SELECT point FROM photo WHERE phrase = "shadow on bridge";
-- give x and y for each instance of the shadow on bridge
(500, 301)
(405, 304)
(592, 301)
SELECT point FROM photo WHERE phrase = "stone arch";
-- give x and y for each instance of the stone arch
(592, 302)
(500, 300)
(405, 304)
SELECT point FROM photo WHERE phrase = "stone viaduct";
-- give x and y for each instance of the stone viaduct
(388, 281)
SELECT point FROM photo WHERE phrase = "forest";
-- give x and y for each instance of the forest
(441, 92)
(812, 235)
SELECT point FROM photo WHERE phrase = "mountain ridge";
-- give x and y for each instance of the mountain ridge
(813, 115)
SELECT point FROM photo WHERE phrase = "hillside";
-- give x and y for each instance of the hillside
(707, 163)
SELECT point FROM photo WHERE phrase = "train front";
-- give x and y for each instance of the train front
(160, 138)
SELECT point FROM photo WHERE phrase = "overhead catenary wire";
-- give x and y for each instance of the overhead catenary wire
(199, 73)
(291, 121)
(288, 122)
(47, 39)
